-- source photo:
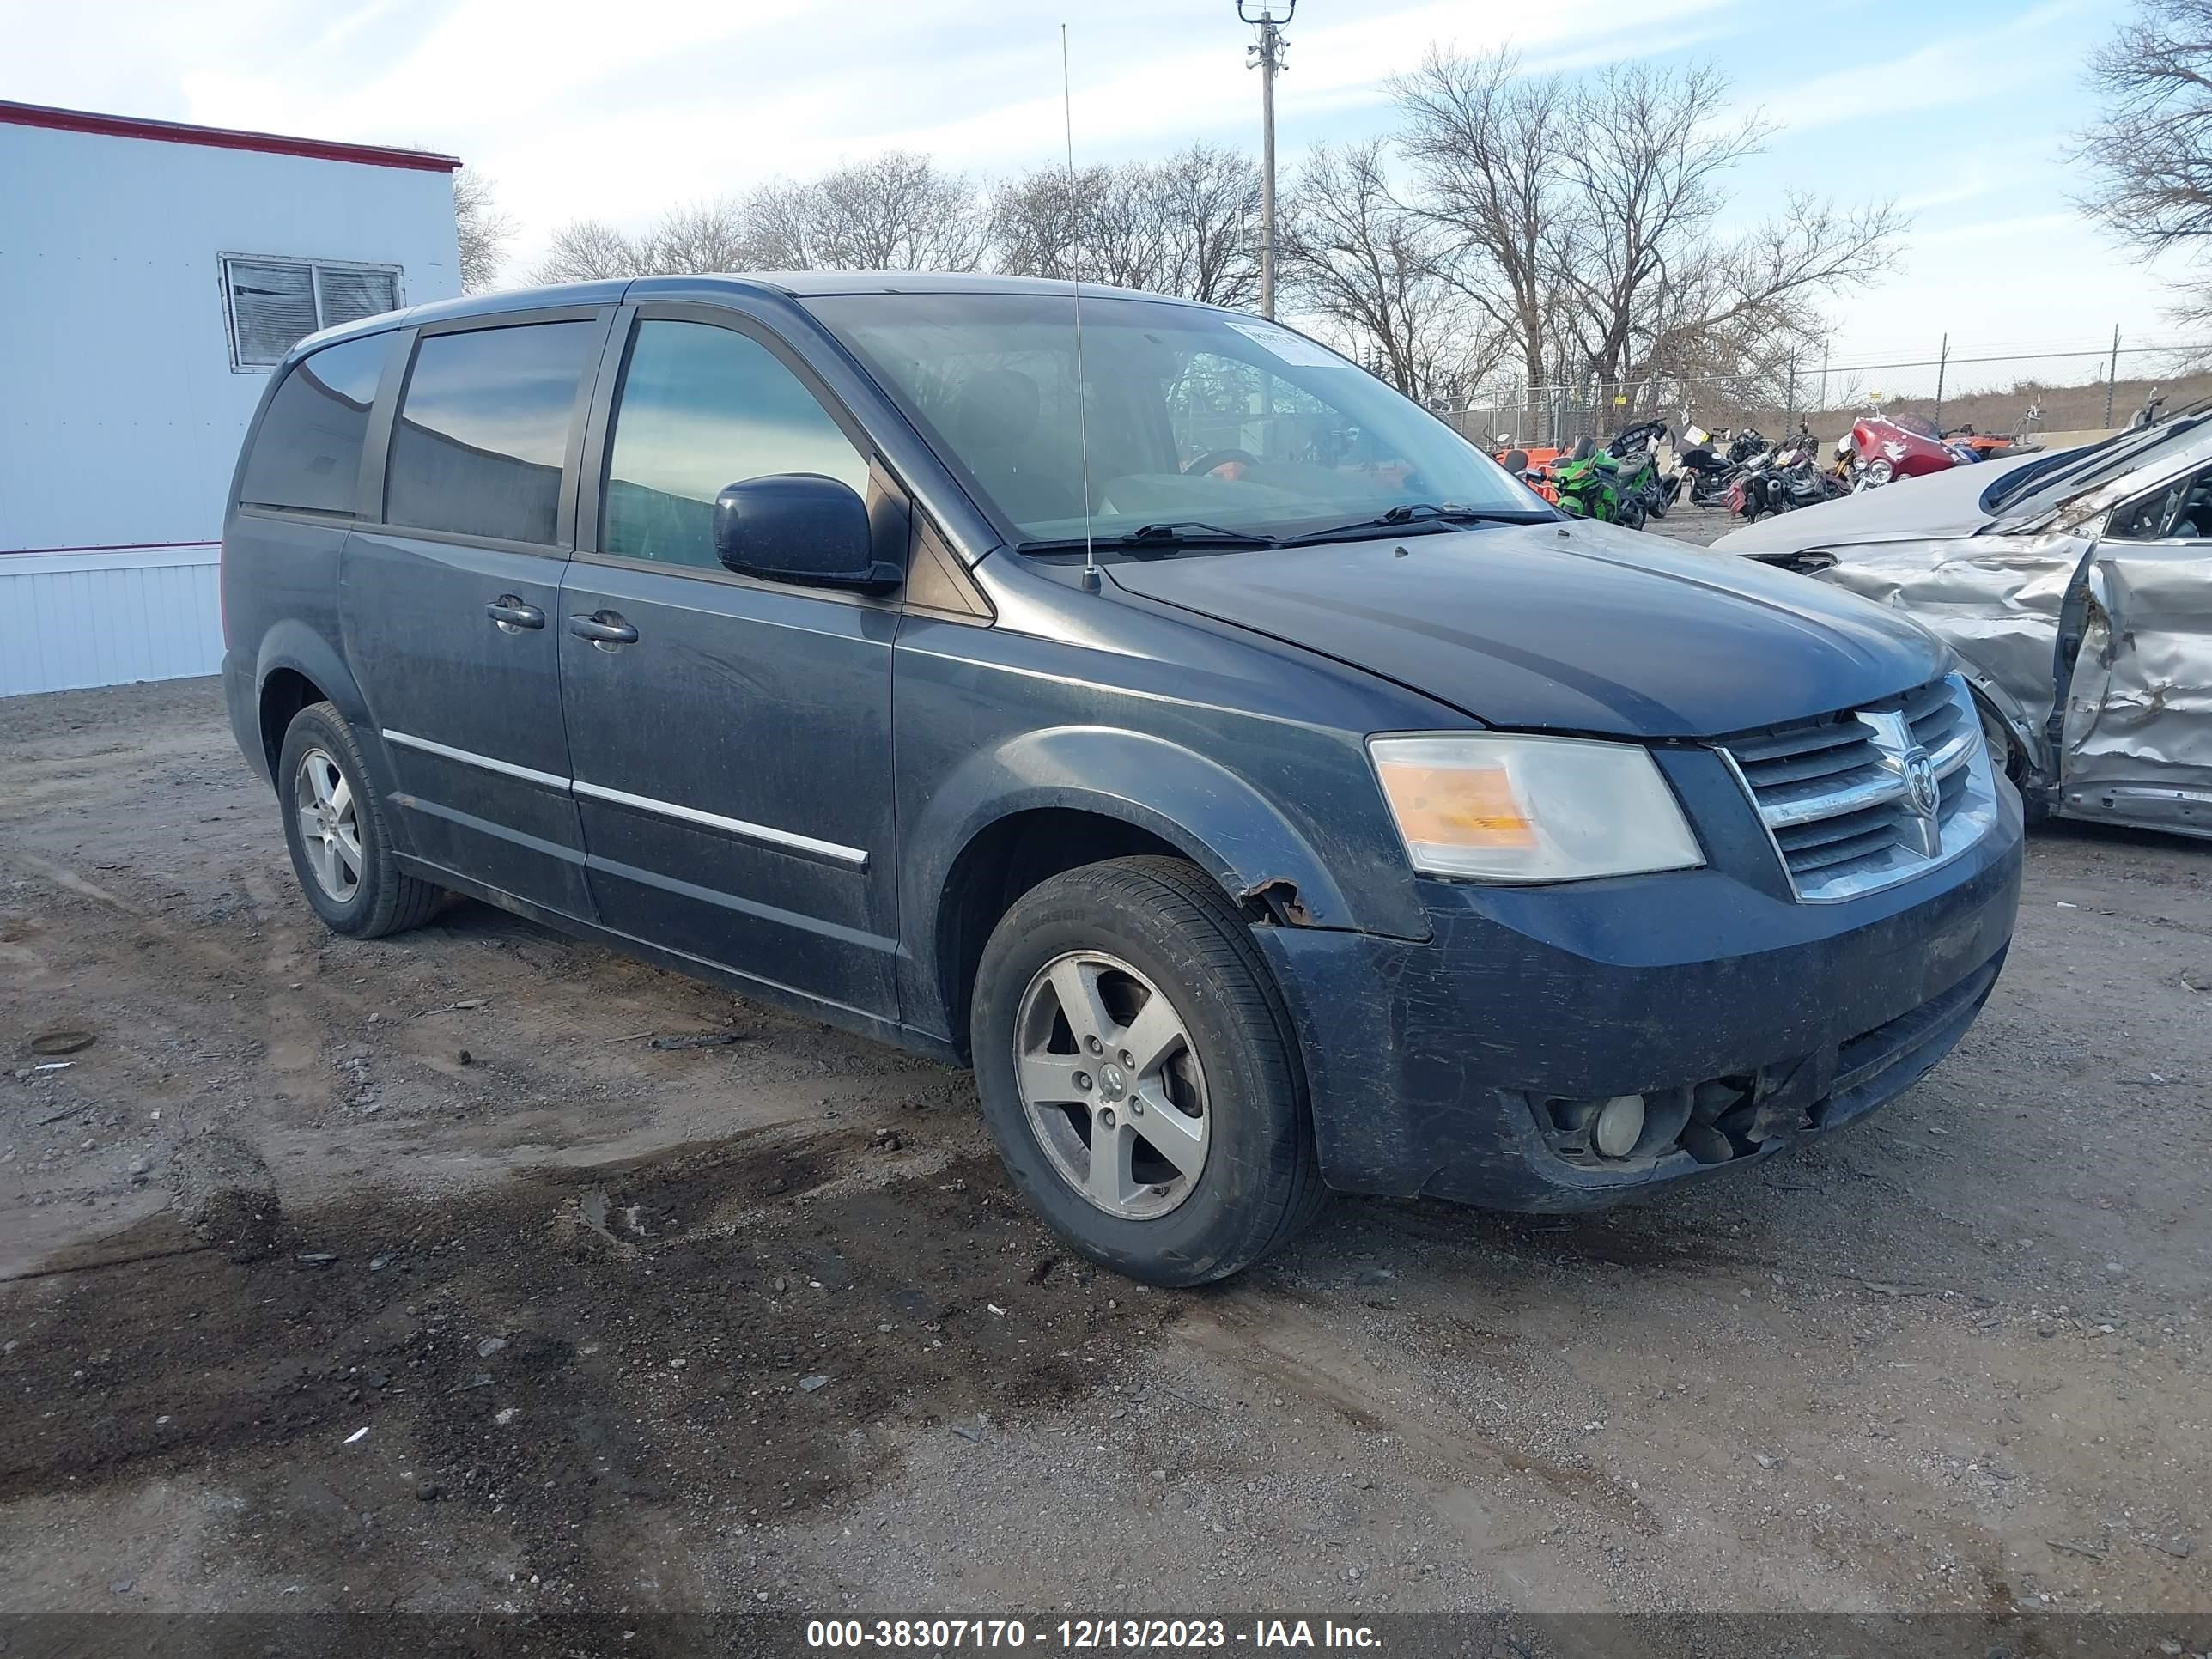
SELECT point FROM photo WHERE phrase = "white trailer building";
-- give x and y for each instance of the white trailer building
(151, 274)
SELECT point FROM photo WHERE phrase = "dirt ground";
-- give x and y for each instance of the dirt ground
(426, 1276)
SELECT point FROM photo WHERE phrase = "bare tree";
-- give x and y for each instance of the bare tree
(483, 229)
(1376, 272)
(1039, 221)
(1173, 226)
(1641, 194)
(1487, 146)
(1103, 225)
(2151, 154)
(699, 237)
(1207, 201)
(897, 212)
(589, 250)
(1646, 285)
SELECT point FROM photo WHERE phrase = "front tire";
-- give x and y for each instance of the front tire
(334, 826)
(1138, 1073)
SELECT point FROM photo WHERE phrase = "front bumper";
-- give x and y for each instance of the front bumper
(1449, 1066)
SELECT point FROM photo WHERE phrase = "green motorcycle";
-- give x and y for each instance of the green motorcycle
(1590, 486)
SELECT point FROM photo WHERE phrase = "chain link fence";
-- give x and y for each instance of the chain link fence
(2033, 393)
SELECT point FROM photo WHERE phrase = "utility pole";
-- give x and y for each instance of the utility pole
(1266, 54)
(1942, 362)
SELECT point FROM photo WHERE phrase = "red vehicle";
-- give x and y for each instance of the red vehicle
(1886, 446)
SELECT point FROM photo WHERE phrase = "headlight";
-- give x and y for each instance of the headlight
(1490, 807)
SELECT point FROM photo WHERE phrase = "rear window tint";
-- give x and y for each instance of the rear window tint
(484, 429)
(306, 453)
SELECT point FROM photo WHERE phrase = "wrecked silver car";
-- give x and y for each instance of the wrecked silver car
(2076, 585)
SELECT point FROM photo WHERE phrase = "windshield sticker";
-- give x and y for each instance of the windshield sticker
(1292, 349)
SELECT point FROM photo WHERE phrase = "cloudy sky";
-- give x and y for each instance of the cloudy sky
(1959, 111)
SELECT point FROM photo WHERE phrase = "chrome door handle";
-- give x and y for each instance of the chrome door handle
(513, 616)
(604, 628)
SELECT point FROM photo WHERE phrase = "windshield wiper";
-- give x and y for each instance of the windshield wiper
(1418, 516)
(1165, 537)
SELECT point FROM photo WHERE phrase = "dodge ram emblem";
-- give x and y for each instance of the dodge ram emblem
(1920, 781)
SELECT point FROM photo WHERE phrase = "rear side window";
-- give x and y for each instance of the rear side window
(307, 452)
(484, 429)
(704, 408)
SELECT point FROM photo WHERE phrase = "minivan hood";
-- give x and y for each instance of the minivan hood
(1569, 627)
(1933, 508)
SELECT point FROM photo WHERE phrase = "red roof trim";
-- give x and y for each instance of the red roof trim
(178, 132)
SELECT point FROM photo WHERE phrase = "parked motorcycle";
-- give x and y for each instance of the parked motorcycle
(1635, 451)
(1588, 488)
(1710, 465)
(1886, 447)
(1783, 479)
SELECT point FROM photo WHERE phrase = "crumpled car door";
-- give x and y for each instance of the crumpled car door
(2136, 695)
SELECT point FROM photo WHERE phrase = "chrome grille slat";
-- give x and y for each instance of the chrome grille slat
(1837, 794)
(1806, 837)
(1753, 751)
(1821, 764)
(1866, 844)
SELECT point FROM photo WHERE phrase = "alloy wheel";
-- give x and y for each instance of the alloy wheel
(1112, 1086)
(330, 824)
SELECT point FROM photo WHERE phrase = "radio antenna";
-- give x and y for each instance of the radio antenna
(1075, 274)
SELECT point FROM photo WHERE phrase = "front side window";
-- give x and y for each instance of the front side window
(274, 304)
(1188, 415)
(483, 430)
(704, 408)
(307, 452)
(2179, 512)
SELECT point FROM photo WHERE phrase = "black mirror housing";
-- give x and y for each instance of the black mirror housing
(801, 528)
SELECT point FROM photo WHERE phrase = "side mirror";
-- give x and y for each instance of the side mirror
(801, 528)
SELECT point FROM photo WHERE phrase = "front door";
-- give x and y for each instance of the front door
(2135, 668)
(451, 606)
(730, 737)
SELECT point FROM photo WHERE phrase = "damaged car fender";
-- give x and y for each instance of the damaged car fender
(1237, 833)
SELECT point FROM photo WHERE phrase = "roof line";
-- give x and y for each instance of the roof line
(180, 132)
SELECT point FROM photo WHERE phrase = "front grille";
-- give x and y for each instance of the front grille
(1860, 799)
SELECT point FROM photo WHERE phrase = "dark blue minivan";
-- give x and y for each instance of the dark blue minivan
(1134, 700)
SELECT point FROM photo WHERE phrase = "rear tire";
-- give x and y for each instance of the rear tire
(1224, 1170)
(334, 826)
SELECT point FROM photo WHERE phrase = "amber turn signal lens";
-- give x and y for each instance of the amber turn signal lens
(1457, 806)
(1514, 807)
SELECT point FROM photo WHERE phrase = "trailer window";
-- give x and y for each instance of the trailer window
(274, 304)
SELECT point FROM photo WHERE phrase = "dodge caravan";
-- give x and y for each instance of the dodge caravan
(1260, 789)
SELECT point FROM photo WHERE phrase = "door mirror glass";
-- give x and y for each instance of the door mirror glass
(799, 527)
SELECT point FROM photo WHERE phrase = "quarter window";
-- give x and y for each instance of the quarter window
(306, 453)
(484, 429)
(274, 304)
(704, 408)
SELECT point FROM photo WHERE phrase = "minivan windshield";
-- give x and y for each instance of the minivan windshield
(1200, 425)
